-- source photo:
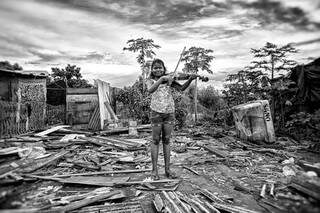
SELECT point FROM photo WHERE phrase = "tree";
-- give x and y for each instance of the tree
(243, 86)
(71, 75)
(273, 59)
(197, 59)
(145, 48)
(8, 66)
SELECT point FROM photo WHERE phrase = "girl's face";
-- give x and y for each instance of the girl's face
(158, 70)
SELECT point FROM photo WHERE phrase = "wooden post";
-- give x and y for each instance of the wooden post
(66, 107)
(196, 101)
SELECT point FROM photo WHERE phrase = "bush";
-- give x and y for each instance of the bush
(209, 98)
(136, 101)
(304, 126)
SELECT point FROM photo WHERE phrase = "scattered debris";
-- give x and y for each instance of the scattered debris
(78, 171)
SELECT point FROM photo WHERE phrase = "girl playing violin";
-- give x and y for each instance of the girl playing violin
(162, 113)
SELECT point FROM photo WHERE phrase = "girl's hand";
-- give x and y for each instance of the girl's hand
(166, 78)
(193, 76)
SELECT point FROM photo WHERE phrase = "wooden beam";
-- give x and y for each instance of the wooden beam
(84, 202)
(48, 131)
(43, 162)
(101, 173)
(191, 170)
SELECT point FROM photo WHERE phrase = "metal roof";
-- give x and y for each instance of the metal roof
(30, 73)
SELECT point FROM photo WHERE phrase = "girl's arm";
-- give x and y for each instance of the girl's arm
(185, 85)
(153, 87)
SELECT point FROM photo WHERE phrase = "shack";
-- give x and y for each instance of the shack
(90, 108)
(22, 101)
(307, 79)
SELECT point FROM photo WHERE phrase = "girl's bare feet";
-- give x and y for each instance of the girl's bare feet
(170, 174)
(155, 176)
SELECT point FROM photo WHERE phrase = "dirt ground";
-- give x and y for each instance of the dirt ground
(241, 175)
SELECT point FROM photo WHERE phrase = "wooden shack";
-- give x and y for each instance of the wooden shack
(22, 101)
(90, 108)
(81, 103)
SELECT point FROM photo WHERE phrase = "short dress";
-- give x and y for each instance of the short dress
(162, 104)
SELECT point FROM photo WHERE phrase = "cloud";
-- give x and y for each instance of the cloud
(91, 34)
(49, 57)
(274, 12)
(146, 11)
(306, 42)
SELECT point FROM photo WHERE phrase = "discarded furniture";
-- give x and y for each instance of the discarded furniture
(254, 121)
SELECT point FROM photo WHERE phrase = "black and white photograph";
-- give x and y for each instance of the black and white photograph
(160, 106)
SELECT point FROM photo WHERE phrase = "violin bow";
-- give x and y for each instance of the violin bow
(175, 70)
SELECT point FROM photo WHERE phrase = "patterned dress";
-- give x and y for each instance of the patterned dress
(161, 99)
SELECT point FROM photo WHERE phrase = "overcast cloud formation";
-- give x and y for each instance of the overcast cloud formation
(91, 34)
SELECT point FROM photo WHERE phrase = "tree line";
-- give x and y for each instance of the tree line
(255, 81)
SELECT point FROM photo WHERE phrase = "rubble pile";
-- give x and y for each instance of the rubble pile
(64, 170)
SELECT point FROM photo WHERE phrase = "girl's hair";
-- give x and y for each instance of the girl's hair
(156, 61)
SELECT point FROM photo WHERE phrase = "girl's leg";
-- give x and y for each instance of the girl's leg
(166, 134)
(156, 131)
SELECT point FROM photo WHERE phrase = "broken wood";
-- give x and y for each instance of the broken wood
(305, 190)
(216, 152)
(24, 210)
(142, 182)
(309, 167)
(111, 112)
(95, 181)
(43, 162)
(241, 187)
(263, 191)
(101, 142)
(48, 131)
(200, 205)
(191, 170)
(175, 209)
(210, 196)
(101, 173)
(84, 202)
(233, 209)
(180, 203)
(158, 203)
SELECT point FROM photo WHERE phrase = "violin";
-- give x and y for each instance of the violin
(186, 76)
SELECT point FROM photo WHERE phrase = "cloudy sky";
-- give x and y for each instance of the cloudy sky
(40, 34)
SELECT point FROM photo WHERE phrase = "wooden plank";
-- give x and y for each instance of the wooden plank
(231, 208)
(75, 91)
(43, 162)
(191, 170)
(94, 119)
(143, 182)
(83, 180)
(10, 151)
(102, 173)
(172, 203)
(99, 142)
(85, 202)
(48, 131)
(115, 141)
(218, 153)
(305, 190)
(24, 210)
(103, 90)
(309, 167)
(110, 110)
(95, 181)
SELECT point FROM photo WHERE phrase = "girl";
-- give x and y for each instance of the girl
(162, 113)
